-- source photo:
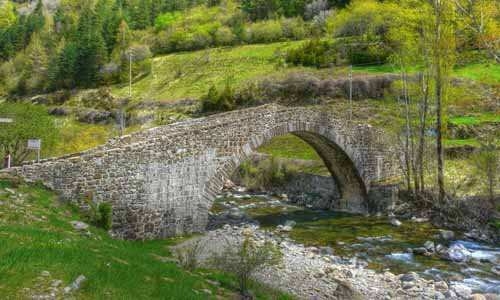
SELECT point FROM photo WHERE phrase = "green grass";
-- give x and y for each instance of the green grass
(476, 119)
(36, 236)
(190, 74)
(488, 73)
(461, 143)
(289, 146)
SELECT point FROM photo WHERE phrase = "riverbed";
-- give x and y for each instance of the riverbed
(372, 241)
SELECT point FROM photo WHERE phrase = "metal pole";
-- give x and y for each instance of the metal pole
(130, 73)
(38, 155)
(350, 92)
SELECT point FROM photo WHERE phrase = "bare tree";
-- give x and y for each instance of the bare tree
(479, 16)
(246, 257)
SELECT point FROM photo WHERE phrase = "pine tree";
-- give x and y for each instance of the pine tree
(37, 64)
(91, 49)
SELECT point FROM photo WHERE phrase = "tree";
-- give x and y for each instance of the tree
(62, 68)
(442, 45)
(30, 122)
(7, 15)
(260, 9)
(245, 258)
(487, 165)
(91, 49)
(37, 65)
(481, 17)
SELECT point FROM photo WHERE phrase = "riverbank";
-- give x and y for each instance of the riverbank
(316, 273)
(328, 255)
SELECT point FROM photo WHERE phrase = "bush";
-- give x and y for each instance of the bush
(264, 32)
(104, 216)
(100, 215)
(166, 20)
(314, 53)
(294, 28)
(216, 101)
(224, 36)
(268, 173)
(187, 254)
(245, 258)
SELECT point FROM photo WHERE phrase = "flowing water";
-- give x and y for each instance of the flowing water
(371, 239)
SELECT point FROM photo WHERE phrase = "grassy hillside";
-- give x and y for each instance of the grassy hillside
(39, 247)
(190, 74)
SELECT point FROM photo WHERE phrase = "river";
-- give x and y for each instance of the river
(371, 240)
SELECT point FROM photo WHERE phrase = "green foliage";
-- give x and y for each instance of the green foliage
(30, 122)
(7, 15)
(104, 216)
(245, 258)
(289, 147)
(487, 165)
(268, 173)
(166, 20)
(264, 32)
(218, 101)
(314, 53)
(260, 9)
(16, 37)
(116, 268)
(99, 215)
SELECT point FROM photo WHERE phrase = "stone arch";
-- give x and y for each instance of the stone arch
(342, 161)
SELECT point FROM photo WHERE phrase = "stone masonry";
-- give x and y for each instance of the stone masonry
(162, 182)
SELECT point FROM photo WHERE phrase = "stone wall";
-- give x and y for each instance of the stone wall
(162, 182)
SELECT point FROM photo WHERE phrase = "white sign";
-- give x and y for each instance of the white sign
(34, 144)
(6, 120)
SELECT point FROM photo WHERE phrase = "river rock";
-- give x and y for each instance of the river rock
(76, 285)
(477, 297)
(457, 253)
(419, 220)
(78, 225)
(281, 228)
(429, 246)
(419, 250)
(395, 222)
(228, 184)
(496, 270)
(446, 234)
(441, 249)
(412, 276)
(462, 291)
(441, 286)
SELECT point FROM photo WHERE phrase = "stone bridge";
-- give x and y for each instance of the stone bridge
(163, 181)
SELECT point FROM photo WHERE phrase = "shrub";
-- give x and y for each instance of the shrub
(188, 253)
(264, 32)
(486, 163)
(224, 36)
(166, 20)
(216, 101)
(268, 173)
(104, 216)
(294, 28)
(100, 215)
(314, 53)
(245, 258)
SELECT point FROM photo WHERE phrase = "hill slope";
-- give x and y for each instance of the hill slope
(41, 253)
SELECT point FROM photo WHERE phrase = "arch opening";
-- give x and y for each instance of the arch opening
(348, 183)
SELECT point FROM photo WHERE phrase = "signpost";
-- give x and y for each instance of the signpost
(35, 144)
(6, 120)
